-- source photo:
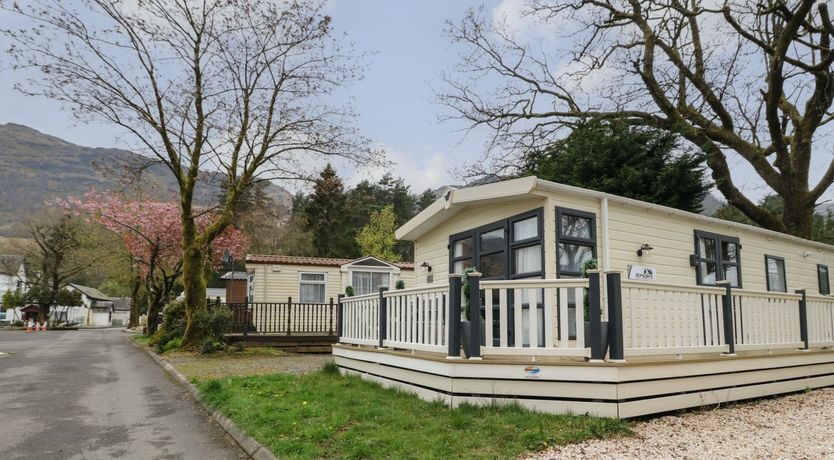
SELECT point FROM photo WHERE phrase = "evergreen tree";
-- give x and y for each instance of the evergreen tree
(425, 199)
(327, 216)
(377, 238)
(613, 157)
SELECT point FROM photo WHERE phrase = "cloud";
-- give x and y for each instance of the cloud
(420, 171)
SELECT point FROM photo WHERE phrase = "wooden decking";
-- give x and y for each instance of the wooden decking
(291, 343)
(611, 389)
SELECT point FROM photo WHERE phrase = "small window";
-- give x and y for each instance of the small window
(526, 229)
(775, 268)
(575, 241)
(822, 276)
(369, 282)
(312, 287)
(718, 258)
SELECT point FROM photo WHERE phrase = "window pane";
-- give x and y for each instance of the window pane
(493, 265)
(708, 272)
(572, 256)
(525, 229)
(706, 248)
(492, 241)
(311, 293)
(463, 248)
(729, 251)
(312, 277)
(575, 227)
(731, 275)
(776, 275)
(822, 274)
(528, 260)
(461, 265)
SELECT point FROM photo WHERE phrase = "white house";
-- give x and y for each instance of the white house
(100, 307)
(12, 274)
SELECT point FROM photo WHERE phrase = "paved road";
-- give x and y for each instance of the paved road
(91, 394)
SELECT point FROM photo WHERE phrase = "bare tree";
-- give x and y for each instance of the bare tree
(238, 87)
(743, 79)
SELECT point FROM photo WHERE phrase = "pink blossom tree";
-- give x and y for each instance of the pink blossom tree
(151, 233)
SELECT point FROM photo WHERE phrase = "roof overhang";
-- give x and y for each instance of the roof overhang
(456, 200)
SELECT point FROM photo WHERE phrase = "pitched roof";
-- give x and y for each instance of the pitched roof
(90, 292)
(318, 261)
(235, 275)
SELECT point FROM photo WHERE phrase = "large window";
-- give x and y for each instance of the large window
(717, 258)
(368, 282)
(775, 269)
(576, 241)
(312, 287)
(822, 277)
(506, 249)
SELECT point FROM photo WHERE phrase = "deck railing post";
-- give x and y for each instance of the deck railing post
(289, 316)
(728, 315)
(595, 315)
(613, 285)
(340, 311)
(330, 318)
(383, 316)
(474, 279)
(803, 318)
(453, 320)
(246, 320)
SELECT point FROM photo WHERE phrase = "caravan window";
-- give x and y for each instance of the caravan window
(822, 277)
(312, 287)
(368, 282)
(576, 241)
(717, 258)
(775, 269)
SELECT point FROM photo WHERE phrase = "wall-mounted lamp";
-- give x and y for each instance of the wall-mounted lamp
(426, 266)
(806, 254)
(643, 248)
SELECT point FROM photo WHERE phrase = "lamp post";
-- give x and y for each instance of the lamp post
(229, 260)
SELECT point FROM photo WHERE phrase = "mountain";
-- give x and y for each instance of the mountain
(36, 168)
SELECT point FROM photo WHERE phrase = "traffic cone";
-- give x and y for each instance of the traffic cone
(29, 326)
(44, 327)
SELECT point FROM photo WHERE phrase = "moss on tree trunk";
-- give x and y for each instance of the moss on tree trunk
(194, 282)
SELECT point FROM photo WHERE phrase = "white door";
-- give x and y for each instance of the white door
(101, 318)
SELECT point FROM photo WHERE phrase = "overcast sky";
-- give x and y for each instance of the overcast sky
(395, 100)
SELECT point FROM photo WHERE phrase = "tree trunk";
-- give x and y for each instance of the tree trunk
(155, 303)
(798, 215)
(194, 282)
(134, 304)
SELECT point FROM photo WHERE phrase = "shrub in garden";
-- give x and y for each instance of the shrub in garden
(215, 323)
(173, 327)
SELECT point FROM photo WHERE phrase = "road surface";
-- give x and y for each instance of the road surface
(91, 394)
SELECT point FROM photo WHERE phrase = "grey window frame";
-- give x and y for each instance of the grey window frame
(719, 259)
(827, 280)
(784, 272)
(560, 238)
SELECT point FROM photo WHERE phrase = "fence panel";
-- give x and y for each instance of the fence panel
(535, 317)
(360, 318)
(416, 319)
(820, 321)
(284, 318)
(766, 320)
(661, 318)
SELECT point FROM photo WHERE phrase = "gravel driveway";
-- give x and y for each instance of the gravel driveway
(799, 426)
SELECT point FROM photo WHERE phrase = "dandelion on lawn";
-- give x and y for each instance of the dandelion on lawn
(304, 403)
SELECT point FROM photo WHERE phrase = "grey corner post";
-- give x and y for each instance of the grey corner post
(453, 319)
(595, 315)
(728, 315)
(475, 315)
(383, 315)
(339, 313)
(289, 315)
(615, 315)
(803, 318)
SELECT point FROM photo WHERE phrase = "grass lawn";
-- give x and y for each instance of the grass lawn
(326, 415)
(141, 339)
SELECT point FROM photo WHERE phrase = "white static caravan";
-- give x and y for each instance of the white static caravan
(682, 345)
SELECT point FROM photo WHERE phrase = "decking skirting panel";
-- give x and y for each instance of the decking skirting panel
(622, 390)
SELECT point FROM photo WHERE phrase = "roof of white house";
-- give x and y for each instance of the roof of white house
(319, 261)
(234, 275)
(456, 200)
(90, 292)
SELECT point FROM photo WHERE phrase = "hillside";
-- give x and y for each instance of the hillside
(36, 167)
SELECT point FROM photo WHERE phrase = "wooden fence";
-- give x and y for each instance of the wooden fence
(284, 318)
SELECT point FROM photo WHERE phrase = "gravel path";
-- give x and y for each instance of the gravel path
(797, 427)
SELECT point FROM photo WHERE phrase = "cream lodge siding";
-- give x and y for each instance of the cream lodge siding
(622, 226)
(276, 283)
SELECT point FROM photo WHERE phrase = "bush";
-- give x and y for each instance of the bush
(173, 327)
(400, 285)
(172, 344)
(215, 323)
(349, 291)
